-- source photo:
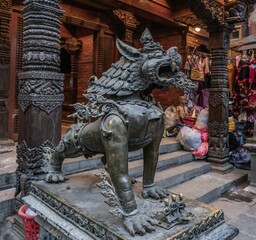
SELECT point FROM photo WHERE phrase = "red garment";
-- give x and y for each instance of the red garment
(252, 76)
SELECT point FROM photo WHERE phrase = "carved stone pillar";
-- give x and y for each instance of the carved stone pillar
(130, 23)
(219, 18)
(5, 18)
(219, 98)
(40, 89)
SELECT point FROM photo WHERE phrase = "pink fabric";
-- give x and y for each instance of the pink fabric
(204, 136)
(201, 151)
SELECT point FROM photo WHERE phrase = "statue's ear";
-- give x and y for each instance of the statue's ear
(128, 51)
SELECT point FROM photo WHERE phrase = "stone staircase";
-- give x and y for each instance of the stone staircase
(177, 171)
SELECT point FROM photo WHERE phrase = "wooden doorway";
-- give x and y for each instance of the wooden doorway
(70, 50)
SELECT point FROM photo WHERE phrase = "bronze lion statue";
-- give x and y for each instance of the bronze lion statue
(127, 119)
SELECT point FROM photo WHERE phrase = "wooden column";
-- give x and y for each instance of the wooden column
(219, 18)
(74, 47)
(218, 153)
(5, 18)
(40, 89)
(100, 48)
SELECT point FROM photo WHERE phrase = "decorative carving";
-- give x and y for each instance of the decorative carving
(96, 107)
(211, 11)
(219, 35)
(174, 212)
(129, 21)
(5, 4)
(219, 98)
(191, 20)
(73, 45)
(30, 161)
(127, 18)
(41, 84)
(201, 227)
(218, 147)
(218, 129)
(219, 68)
(128, 36)
(235, 11)
(37, 91)
(81, 221)
(5, 18)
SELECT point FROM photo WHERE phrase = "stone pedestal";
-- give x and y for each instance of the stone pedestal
(76, 209)
(251, 146)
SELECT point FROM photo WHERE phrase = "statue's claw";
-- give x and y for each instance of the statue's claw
(139, 224)
(154, 192)
(54, 177)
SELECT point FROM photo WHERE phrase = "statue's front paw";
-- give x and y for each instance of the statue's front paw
(154, 192)
(139, 224)
(54, 177)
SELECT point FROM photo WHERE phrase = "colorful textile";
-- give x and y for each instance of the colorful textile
(201, 151)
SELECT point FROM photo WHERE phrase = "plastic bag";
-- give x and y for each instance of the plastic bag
(240, 156)
(202, 119)
(189, 138)
(170, 117)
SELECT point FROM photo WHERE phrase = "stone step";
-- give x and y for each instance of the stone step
(210, 186)
(18, 228)
(165, 161)
(7, 180)
(75, 165)
(8, 229)
(81, 164)
(6, 202)
(177, 175)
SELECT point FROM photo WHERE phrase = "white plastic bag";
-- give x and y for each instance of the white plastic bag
(189, 138)
(170, 117)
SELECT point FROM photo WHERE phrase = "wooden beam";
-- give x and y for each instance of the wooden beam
(155, 10)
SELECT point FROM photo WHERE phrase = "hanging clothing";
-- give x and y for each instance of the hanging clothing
(204, 98)
(197, 68)
(252, 72)
(206, 65)
(241, 88)
(231, 77)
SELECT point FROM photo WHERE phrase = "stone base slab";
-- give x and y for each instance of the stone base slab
(76, 209)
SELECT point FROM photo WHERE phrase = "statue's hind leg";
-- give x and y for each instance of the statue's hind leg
(65, 148)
